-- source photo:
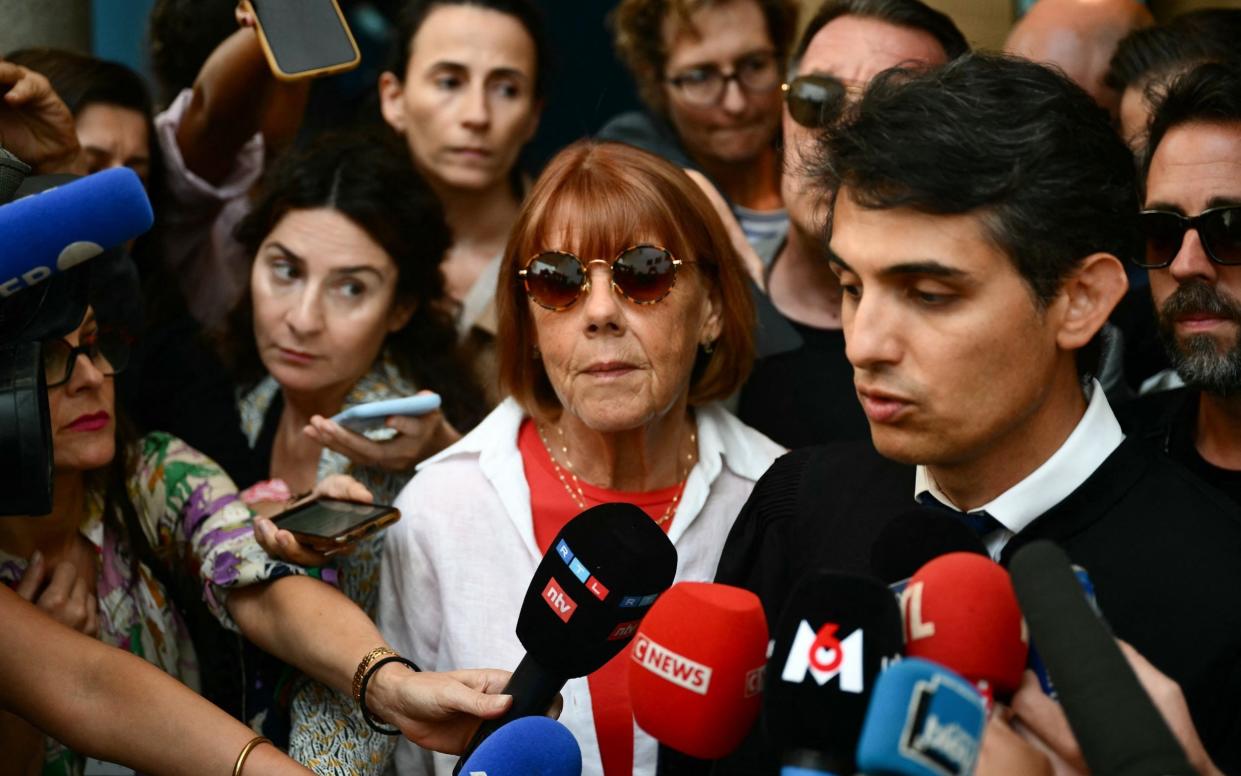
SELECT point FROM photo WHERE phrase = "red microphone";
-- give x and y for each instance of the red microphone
(697, 672)
(960, 611)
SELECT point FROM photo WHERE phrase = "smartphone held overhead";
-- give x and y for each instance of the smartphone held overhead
(305, 38)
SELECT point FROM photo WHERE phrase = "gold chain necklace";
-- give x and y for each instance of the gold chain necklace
(575, 490)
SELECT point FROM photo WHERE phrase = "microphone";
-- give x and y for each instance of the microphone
(915, 537)
(603, 572)
(835, 635)
(924, 720)
(959, 611)
(697, 673)
(529, 745)
(61, 227)
(1115, 722)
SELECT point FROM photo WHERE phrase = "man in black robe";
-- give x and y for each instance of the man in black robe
(981, 215)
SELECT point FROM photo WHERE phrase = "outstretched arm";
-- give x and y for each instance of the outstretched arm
(231, 101)
(122, 708)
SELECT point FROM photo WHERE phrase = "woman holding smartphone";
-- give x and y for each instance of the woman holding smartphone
(345, 307)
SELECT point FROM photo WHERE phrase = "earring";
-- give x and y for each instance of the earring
(535, 354)
(708, 347)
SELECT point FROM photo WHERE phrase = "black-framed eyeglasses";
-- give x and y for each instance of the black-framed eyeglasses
(816, 100)
(643, 274)
(107, 349)
(704, 85)
(1219, 230)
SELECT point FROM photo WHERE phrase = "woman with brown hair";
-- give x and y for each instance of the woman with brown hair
(624, 317)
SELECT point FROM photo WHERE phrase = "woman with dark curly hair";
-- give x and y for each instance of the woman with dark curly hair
(346, 306)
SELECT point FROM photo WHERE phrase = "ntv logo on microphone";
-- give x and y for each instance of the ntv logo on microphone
(824, 657)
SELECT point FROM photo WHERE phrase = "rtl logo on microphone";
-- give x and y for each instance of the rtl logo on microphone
(824, 656)
(665, 663)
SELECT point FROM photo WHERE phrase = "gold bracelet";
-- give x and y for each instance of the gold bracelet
(371, 656)
(245, 752)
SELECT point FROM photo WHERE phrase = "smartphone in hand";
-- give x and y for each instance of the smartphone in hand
(305, 38)
(372, 415)
(329, 525)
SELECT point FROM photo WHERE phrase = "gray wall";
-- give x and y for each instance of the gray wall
(59, 23)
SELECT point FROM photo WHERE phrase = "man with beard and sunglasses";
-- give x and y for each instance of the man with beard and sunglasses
(801, 390)
(1192, 221)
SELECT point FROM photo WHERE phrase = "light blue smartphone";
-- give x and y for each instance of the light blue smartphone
(372, 415)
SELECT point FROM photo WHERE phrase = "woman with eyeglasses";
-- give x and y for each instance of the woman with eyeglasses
(624, 317)
(709, 72)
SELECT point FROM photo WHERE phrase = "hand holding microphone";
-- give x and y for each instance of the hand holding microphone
(604, 571)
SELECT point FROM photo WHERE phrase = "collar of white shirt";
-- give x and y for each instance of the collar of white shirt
(723, 440)
(1096, 437)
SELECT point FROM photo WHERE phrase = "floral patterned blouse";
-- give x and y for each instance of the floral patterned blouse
(188, 508)
(328, 734)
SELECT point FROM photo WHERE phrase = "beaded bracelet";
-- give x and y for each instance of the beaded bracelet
(366, 714)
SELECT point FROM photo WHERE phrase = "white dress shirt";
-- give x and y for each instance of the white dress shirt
(1096, 436)
(457, 564)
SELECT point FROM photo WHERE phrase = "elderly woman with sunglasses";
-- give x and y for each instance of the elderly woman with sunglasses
(625, 316)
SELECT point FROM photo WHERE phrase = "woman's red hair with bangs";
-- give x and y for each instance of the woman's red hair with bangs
(596, 199)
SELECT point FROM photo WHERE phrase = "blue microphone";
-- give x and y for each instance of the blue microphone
(61, 227)
(923, 720)
(527, 746)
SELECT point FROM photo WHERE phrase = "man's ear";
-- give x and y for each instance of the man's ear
(392, 100)
(1088, 296)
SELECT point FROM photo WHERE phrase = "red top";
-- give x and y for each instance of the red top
(552, 507)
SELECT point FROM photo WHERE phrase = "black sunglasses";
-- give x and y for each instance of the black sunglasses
(643, 274)
(1219, 229)
(108, 351)
(817, 100)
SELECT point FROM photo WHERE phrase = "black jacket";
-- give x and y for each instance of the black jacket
(1162, 548)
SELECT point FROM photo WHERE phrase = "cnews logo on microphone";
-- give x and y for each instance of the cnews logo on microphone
(825, 657)
(942, 712)
(667, 664)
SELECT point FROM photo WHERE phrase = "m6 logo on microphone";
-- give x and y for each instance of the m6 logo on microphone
(668, 665)
(824, 657)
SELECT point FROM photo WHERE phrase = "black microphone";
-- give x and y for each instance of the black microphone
(834, 636)
(604, 570)
(1117, 726)
(916, 537)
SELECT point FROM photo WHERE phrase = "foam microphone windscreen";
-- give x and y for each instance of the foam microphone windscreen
(917, 536)
(529, 746)
(604, 570)
(924, 720)
(697, 672)
(960, 611)
(835, 634)
(61, 227)
(1116, 725)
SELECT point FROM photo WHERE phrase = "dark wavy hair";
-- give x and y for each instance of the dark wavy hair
(1157, 52)
(182, 34)
(1010, 140)
(912, 14)
(371, 180)
(639, 34)
(1209, 92)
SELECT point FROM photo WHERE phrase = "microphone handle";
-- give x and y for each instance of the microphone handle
(534, 690)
